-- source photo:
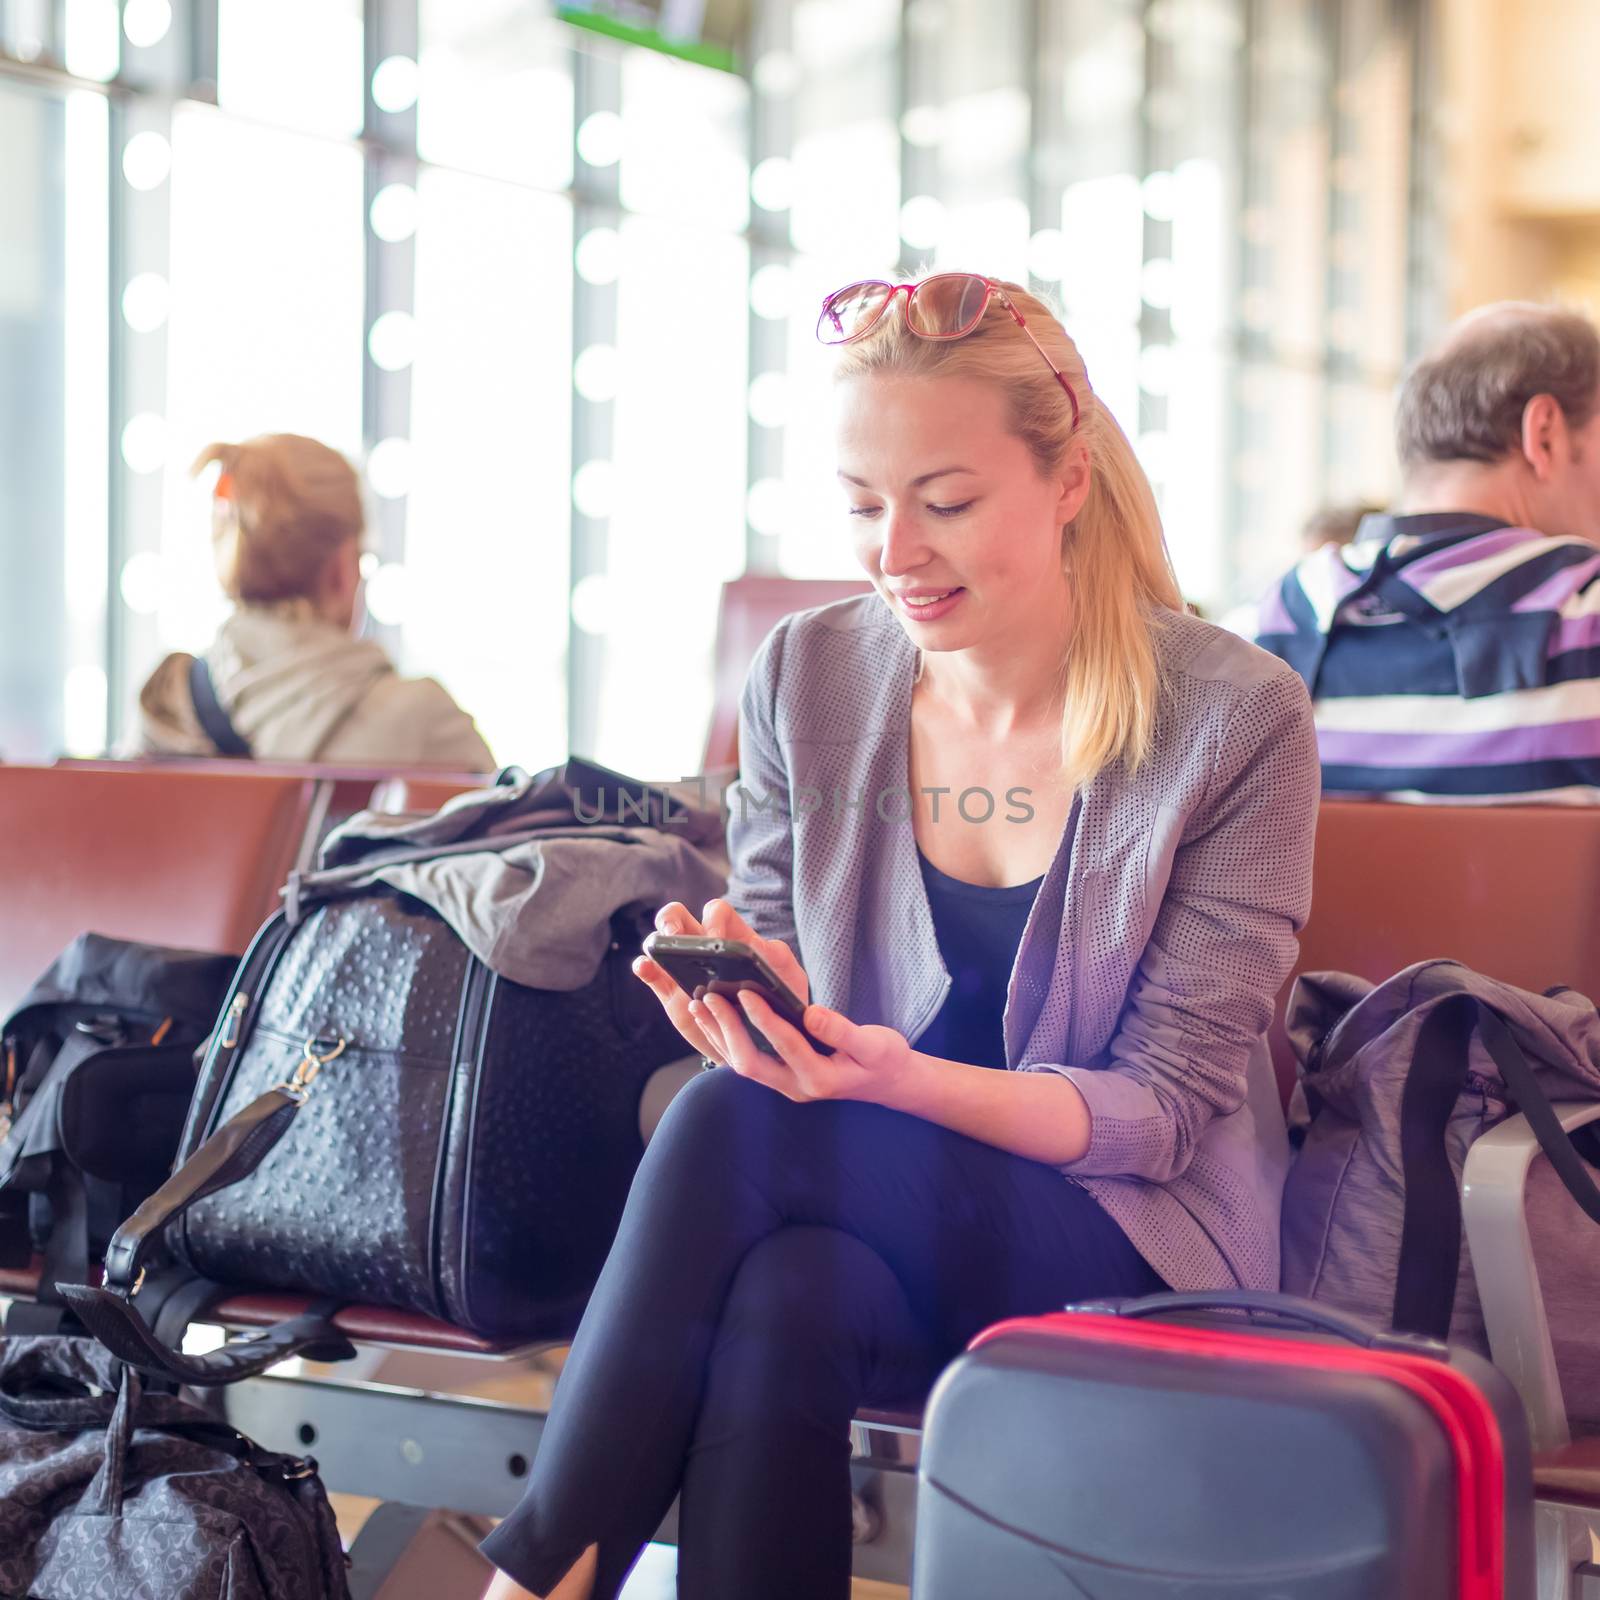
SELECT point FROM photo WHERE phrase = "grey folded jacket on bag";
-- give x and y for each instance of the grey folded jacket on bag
(528, 873)
(1375, 1105)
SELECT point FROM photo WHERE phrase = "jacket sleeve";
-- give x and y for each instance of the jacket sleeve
(760, 830)
(1223, 941)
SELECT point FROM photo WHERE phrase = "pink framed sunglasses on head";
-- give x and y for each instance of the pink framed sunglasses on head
(948, 305)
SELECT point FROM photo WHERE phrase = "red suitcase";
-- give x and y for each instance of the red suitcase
(1098, 1453)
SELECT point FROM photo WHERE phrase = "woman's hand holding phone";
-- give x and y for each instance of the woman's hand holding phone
(690, 1017)
(867, 1063)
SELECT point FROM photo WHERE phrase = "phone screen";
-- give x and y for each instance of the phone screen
(698, 963)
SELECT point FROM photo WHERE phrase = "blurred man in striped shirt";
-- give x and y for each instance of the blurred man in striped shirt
(1453, 649)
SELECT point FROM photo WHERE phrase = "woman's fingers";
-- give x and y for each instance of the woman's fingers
(788, 1041)
(677, 1006)
(708, 1026)
(744, 1056)
(721, 919)
(782, 960)
(675, 917)
(740, 1050)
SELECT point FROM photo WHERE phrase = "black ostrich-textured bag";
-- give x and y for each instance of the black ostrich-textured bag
(461, 1145)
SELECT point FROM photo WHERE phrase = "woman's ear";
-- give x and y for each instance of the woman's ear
(1076, 479)
(341, 582)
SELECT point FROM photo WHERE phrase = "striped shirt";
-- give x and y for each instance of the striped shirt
(1449, 658)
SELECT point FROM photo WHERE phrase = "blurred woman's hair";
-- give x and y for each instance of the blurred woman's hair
(286, 505)
(1113, 551)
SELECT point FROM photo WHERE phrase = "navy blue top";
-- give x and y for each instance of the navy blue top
(978, 927)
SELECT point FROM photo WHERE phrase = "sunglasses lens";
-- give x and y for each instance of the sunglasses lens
(849, 313)
(947, 305)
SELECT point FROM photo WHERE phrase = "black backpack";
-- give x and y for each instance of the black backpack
(99, 1071)
(108, 1489)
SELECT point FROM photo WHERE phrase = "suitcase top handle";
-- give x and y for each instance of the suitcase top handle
(1279, 1308)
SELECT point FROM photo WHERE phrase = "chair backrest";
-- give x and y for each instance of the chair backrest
(339, 792)
(179, 858)
(1513, 891)
(751, 607)
(398, 795)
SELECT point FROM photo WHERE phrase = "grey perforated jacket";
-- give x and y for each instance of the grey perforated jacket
(1159, 937)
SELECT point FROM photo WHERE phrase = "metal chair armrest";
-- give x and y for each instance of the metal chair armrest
(1494, 1214)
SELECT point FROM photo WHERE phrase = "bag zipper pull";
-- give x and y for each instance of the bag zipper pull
(236, 1011)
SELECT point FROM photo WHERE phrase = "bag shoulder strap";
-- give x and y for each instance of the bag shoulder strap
(218, 726)
(229, 1156)
(1565, 1152)
(1430, 1236)
(1430, 1229)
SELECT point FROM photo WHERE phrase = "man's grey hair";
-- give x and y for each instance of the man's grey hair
(1463, 400)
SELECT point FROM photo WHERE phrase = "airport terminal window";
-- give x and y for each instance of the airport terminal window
(297, 63)
(844, 222)
(260, 218)
(1187, 283)
(683, 142)
(675, 530)
(495, 92)
(977, 126)
(53, 467)
(483, 603)
(808, 505)
(1219, 195)
(1088, 249)
(846, 157)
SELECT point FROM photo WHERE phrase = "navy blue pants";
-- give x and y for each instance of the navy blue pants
(777, 1267)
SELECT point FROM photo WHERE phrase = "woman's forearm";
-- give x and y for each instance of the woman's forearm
(1039, 1115)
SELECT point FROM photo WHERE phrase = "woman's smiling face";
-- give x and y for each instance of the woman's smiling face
(951, 517)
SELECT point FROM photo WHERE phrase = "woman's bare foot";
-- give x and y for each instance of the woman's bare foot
(577, 1585)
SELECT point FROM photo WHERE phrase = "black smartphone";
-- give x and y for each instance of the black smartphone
(699, 963)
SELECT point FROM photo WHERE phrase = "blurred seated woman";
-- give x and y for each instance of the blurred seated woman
(287, 673)
(1037, 845)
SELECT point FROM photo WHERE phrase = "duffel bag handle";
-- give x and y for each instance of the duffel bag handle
(1283, 1308)
(228, 1157)
(120, 1328)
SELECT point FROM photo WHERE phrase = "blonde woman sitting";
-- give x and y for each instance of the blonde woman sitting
(286, 679)
(1039, 844)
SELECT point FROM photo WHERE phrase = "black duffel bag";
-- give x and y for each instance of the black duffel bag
(99, 1074)
(461, 1145)
(106, 1489)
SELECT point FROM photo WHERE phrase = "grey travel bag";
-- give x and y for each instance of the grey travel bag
(1396, 1082)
